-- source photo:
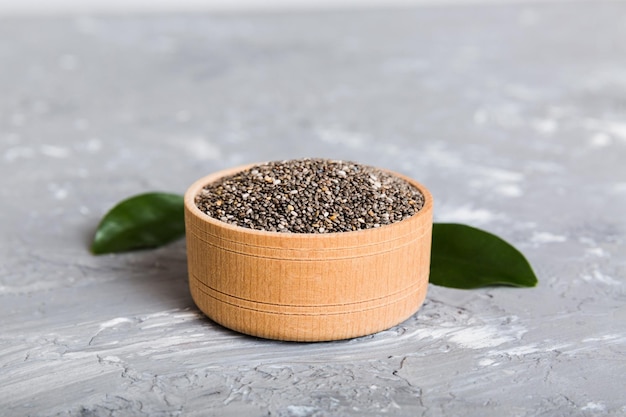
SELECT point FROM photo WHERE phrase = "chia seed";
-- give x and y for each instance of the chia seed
(310, 196)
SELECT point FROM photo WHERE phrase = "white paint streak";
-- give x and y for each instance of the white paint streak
(54, 151)
(528, 18)
(300, 410)
(39, 286)
(465, 214)
(502, 175)
(545, 126)
(509, 190)
(474, 336)
(170, 313)
(60, 194)
(545, 237)
(599, 252)
(486, 362)
(503, 182)
(187, 315)
(93, 145)
(18, 152)
(616, 129)
(111, 359)
(594, 406)
(600, 140)
(618, 188)
(167, 318)
(200, 148)
(605, 338)
(114, 322)
(518, 350)
(441, 156)
(508, 115)
(480, 337)
(481, 117)
(597, 276)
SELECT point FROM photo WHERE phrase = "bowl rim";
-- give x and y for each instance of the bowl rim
(196, 186)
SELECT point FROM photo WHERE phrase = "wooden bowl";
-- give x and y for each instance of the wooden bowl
(307, 286)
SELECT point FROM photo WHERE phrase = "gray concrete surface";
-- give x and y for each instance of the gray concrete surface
(514, 116)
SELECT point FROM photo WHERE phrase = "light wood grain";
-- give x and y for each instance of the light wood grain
(307, 287)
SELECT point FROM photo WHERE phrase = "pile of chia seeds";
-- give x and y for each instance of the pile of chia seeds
(310, 196)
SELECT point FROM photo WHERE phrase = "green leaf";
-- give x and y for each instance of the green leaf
(143, 221)
(466, 257)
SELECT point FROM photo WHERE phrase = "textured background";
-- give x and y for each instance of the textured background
(64, 7)
(513, 116)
